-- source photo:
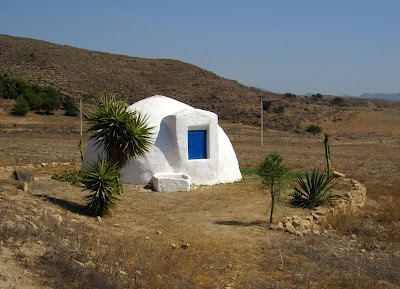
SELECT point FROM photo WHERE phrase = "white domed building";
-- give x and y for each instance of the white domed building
(189, 148)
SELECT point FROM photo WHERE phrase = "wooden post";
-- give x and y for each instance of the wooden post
(262, 124)
(80, 109)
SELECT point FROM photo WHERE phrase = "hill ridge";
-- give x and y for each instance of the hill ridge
(85, 73)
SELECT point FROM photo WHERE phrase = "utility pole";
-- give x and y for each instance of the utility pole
(262, 123)
(80, 109)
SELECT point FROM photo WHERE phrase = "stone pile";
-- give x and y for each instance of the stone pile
(311, 224)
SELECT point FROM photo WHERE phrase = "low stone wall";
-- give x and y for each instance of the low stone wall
(311, 224)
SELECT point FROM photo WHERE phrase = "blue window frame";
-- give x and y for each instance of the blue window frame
(197, 144)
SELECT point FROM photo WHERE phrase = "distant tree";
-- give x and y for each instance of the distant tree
(279, 109)
(70, 107)
(266, 105)
(314, 129)
(51, 99)
(288, 94)
(317, 96)
(1, 87)
(33, 98)
(21, 107)
(338, 101)
(273, 173)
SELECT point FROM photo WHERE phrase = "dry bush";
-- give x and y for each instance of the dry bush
(78, 256)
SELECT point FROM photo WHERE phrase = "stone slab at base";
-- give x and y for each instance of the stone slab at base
(171, 182)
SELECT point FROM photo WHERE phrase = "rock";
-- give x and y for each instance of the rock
(99, 219)
(23, 175)
(159, 233)
(44, 164)
(298, 233)
(316, 232)
(305, 224)
(320, 211)
(338, 175)
(23, 187)
(174, 246)
(290, 228)
(57, 218)
(363, 250)
(278, 227)
(185, 246)
(296, 221)
(315, 215)
(33, 225)
(287, 219)
(396, 254)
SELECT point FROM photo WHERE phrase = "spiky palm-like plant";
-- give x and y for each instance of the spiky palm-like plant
(102, 179)
(314, 191)
(123, 134)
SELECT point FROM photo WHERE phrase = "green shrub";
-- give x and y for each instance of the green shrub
(51, 99)
(288, 94)
(70, 107)
(73, 177)
(279, 109)
(21, 107)
(102, 179)
(314, 191)
(34, 99)
(266, 104)
(314, 129)
(317, 96)
(338, 101)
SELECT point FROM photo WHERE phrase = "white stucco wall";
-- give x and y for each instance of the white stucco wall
(169, 154)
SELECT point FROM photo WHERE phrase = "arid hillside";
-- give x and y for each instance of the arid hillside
(82, 73)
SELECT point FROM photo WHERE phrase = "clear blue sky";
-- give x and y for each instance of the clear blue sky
(340, 47)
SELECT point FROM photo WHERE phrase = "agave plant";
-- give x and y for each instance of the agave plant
(314, 191)
(123, 134)
(102, 179)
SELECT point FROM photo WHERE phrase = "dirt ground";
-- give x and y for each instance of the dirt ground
(225, 225)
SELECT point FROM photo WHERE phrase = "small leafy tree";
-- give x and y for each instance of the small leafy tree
(314, 129)
(70, 107)
(273, 173)
(34, 99)
(21, 107)
(266, 105)
(338, 101)
(51, 99)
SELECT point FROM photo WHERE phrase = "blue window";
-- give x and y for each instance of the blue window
(197, 144)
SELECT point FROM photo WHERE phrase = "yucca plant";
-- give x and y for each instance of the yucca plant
(123, 134)
(314, 190)
(102, 179)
